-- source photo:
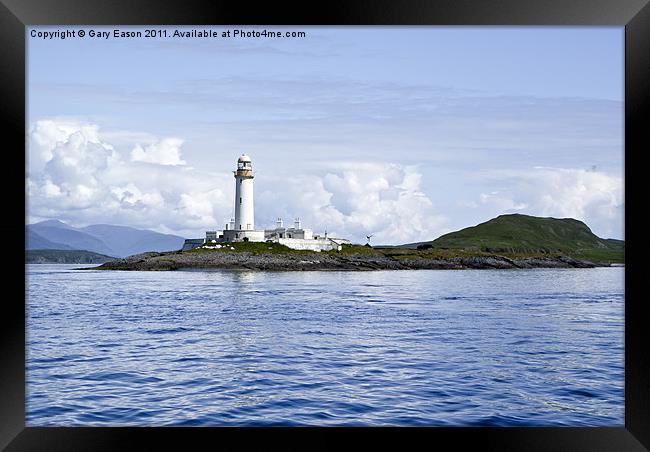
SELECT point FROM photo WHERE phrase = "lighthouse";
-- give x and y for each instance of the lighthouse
(242, 227)
(244, 213)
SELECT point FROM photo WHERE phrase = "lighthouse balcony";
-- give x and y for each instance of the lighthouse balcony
(243, 173)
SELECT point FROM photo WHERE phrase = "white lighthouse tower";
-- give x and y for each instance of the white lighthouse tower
(243, 228)
(244, 212)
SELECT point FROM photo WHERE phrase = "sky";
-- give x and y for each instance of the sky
(405, 133)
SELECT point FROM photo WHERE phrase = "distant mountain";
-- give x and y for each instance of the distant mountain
(518, 233)
(73, 238)
(119, 241)
(49, 256)
(127, 241)
(36, 241)
(53, 224)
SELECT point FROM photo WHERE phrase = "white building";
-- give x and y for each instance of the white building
(242, 227)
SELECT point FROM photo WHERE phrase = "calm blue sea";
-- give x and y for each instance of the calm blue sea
(424, 347)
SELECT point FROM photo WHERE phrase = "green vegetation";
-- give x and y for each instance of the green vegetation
(513, 236)
(518, 235)
(357, 250)
(437, 253)
(48, 256)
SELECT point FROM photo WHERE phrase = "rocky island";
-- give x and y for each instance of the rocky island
(51, 256)
(505, 242)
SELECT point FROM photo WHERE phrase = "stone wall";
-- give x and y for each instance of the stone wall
(310, 244)
(190, 244)
(238, 236)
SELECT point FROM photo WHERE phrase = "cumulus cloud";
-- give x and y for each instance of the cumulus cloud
(594, 197)
(47, 134)
(164, 152)
(72, 160)
(358, 199)
(503, 202)
(84, 179)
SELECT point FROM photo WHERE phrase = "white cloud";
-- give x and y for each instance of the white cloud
(164, 152)
(130, 196)
(357, 199)
(85, 179)
(593, 197)
(580, 193)
(47, 134)
(502, 202)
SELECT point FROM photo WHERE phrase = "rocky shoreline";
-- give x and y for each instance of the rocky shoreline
(328, 261)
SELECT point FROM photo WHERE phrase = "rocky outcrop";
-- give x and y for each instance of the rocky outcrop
(326, 261)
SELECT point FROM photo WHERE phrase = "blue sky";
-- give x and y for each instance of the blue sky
(403, 132)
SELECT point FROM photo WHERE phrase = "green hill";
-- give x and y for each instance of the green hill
(48, 256)
(524, 234)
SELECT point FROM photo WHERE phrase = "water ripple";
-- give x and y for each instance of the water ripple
(462, 348)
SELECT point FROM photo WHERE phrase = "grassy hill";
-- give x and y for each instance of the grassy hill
(510, 236)
(48, 256)
(524, 234)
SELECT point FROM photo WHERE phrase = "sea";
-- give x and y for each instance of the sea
(535, 347)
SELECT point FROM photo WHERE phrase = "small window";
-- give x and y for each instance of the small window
(240, 203)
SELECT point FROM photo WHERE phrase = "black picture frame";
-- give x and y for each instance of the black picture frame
(15, 15)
